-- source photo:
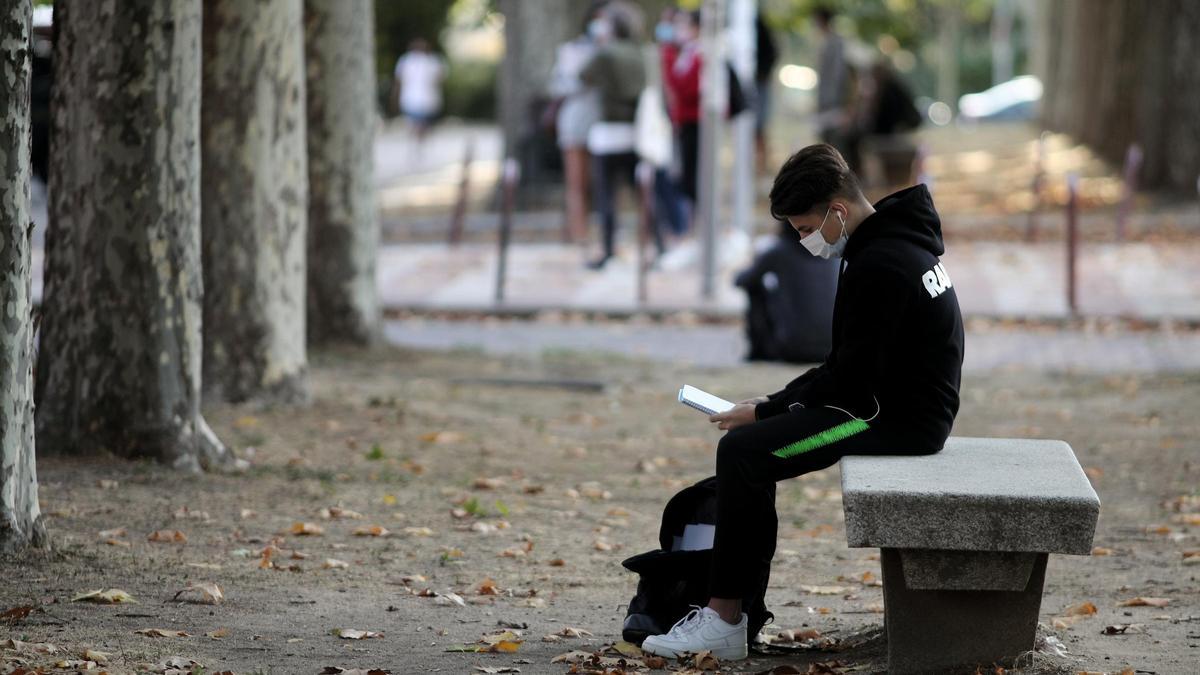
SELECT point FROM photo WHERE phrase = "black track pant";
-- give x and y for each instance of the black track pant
(751, 459)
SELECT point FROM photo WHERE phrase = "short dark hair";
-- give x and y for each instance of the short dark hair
(813, 176)
(824, 14)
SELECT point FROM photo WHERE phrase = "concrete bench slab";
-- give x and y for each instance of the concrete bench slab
(965, 534)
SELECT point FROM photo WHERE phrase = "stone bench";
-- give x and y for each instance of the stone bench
(964, 536)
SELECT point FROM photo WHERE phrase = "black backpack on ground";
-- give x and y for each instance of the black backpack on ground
(674, 579)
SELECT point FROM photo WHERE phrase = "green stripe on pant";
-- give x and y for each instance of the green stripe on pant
(819, 440)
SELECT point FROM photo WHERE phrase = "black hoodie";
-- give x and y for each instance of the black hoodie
(897, 330)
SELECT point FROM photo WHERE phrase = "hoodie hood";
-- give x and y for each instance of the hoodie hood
(908, 215)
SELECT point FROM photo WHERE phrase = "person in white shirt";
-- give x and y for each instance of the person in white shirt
(417, 87)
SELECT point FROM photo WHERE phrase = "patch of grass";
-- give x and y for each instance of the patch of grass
(376, 453)
(473, 507)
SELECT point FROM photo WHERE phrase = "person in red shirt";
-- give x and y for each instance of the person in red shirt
(681, 67)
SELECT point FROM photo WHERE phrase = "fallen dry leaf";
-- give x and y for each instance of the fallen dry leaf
(206, 593)
(167, 537)
(557, 562)
(502, 642)
(1100, 550)
(371, 531)
(334, 564)
(15, 614)
(1123, 629)
(30, 647)
(353, 634)
(113, 533)
(1144, 602)
(218, 633)
(301, 529)
(442, 437)
(497, 669)
(101, 658)
(484, 483)
(418, 531)
(706, 661)
(488, 587)
(109, 596)
(338, 513)
(185, 513)
(106, 484)
(161, 632)
(449, 598)
(628, 649)
(1082, 609)
(247, 514)
(1064, 622)
(334, 670)
(571, 632)
(76, 664)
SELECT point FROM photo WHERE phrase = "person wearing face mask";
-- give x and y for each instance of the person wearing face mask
(890, 384)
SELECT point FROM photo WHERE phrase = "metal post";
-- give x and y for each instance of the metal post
(742, 37)
(1133, 162)
(645, 181)
(512, 174)
(1072, 240)
(460, 206)
(714, 97)
(1039, 164)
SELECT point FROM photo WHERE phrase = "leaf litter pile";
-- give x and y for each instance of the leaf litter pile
(408, 520)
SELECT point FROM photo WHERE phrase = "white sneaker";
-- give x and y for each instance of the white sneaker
(702, 629)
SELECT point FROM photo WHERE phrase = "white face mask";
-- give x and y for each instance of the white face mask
(816, 244)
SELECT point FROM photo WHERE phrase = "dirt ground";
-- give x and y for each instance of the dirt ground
(521, 501)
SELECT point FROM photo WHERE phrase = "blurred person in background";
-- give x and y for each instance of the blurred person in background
(617, 73)
(417, 87)
(889, 113)
(578, 108)
(834, 120)
(682, 65)
(789, 316)
(670, 207)
(765, 56)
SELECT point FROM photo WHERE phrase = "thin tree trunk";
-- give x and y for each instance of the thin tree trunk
(20, 518)
(255, 196)
(119, 365)
(533, 29)
(343, 228)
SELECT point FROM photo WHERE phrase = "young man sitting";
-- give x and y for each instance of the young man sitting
(888, 386)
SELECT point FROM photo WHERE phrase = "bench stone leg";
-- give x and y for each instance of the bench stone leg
(931, 631)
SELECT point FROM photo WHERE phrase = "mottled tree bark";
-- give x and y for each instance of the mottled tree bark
(20, 518)
(119, 364)
(255, 191)
(1124, 71)
(343, 228)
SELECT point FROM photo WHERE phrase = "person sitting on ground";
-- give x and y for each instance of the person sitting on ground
(890, 385)
(790, 301)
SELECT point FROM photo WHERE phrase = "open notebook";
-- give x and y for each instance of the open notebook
(702, 400)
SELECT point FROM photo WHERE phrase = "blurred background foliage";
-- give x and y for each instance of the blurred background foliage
(469, 33)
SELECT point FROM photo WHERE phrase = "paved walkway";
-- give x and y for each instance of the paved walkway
(992, 279)
(724, 345)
